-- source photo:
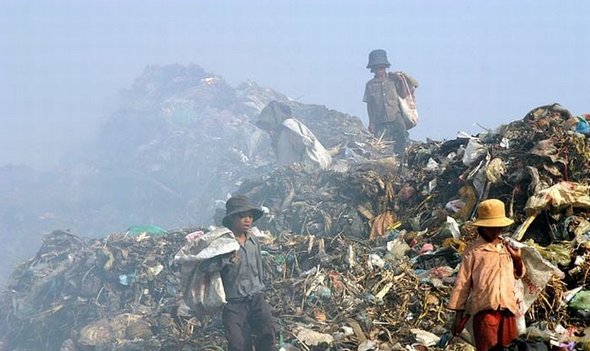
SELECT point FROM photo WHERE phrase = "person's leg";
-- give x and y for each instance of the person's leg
(382, 132)
(237, 331)
(508, 331)
(485, 329)
(394, 132)
(262, 324)
(399, 135)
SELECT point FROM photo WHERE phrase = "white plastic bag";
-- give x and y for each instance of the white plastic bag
(204, 292)
(407, 105)
(313, 147)
(473, 152)
(214, 243)
(538, 273)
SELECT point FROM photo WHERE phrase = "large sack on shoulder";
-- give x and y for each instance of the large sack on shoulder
(214, 243)
(203, 290)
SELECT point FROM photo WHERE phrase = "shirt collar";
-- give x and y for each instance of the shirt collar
(488, 246)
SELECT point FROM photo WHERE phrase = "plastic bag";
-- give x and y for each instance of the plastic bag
(558, 196)
(495, 170)
(204, 292)
(216, 242)
(538, 273)
(583, 126)
(407, 104)
(473, 152)
(581, 301)
(313, 147)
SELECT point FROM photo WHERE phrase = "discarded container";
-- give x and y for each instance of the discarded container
(137, 230)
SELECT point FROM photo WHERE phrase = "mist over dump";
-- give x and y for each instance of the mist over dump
(370, 245)
(179, 142)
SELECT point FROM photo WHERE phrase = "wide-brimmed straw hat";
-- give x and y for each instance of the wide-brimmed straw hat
(239, 204)
(491, 213)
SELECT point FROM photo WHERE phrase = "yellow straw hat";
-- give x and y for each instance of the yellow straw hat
(491, 213)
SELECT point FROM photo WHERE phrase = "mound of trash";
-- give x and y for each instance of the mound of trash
(361, 256)
(178, 142)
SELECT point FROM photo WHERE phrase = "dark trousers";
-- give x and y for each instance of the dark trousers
(244, 319)
(394, 131)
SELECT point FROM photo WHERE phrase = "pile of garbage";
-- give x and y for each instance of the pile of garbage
(539, 166)
(179, 141)
(360, 257)
(182, 139)
(517, 163)
(124, 293)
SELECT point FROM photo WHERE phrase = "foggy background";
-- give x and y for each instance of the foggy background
(62, 62)
(126, 114)
(121, 113)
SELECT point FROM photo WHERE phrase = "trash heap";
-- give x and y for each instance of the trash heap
(539, 166)
(124, 293)
(435, 180)
(182, 139)
(96, 292)
(360, 257)
(178, 141)
(206, 142)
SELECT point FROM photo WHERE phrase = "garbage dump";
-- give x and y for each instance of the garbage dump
(361, 256)
(178, 141)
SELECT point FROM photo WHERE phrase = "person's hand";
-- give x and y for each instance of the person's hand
(234, 257)
(459, 322)
(513, 250)
(516, 254)
(392, 75)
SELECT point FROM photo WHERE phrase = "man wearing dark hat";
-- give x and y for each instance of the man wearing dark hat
(381, 96)
(246, 311)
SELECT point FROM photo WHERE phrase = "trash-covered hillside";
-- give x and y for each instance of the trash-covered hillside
(358, 257)
(178, 142)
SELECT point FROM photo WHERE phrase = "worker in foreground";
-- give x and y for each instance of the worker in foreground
(485, 285)
(247, 317)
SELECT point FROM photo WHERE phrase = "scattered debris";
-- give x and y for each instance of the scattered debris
(359, 257)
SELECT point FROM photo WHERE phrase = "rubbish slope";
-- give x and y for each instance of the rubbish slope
(358, 257)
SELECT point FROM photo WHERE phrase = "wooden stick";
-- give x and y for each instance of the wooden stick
(519, 233)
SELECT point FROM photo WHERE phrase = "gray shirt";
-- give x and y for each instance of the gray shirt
(244, 277)
(381, 97)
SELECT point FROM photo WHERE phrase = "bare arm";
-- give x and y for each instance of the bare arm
(516, 254)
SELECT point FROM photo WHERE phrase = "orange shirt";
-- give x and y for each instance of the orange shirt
(485, 280)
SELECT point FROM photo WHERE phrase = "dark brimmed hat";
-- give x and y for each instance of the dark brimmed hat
(239, 204)
(378, 58)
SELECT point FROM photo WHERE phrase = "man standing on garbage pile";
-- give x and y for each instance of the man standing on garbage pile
(291, 140)
(383, 106)
(485, 285)
(246, 312)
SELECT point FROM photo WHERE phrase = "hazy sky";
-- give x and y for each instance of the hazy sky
(486, 62)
